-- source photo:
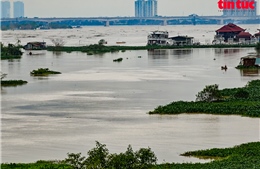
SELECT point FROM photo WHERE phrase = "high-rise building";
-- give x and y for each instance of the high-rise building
(139, 8)
(18, 9)
(151, 8)
(240, 12)
(146, 8)
(5, 9)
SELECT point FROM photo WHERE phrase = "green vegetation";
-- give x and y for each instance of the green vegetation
(6, 83)
(99, 157)
(38, 165)
(99, 48)
(209, 93)
(243, 101)
(10, 52)
(245, 156)
(43, 72)
(118, 60)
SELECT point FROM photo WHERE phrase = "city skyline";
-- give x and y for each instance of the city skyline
(18, 9)
(99, 8)
(114, 8)
(12, 9)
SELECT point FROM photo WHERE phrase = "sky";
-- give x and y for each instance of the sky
(96, 8)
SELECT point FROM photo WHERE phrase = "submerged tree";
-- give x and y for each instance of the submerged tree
(58, 42)
(209, 93)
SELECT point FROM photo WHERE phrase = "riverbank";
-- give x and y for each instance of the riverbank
(242, 101)
(242, 156)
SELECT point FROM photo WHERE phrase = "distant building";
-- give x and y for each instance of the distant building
(18, 9)
(240, 12)
(139, 8)
(146, 8)
(151, 8)
(229, 31)
(5, 9)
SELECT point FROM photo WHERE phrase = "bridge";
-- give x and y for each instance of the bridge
(164, 19)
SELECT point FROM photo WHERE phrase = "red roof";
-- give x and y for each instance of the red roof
(257, 34)
(244, 35)
(230, 28)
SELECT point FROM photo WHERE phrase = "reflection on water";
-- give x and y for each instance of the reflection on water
(250, 72)
(158, 53)
(181, 52)
(57, 53)
(165, 53)
(226, 51)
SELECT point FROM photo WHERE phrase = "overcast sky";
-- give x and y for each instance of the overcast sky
(93, 8)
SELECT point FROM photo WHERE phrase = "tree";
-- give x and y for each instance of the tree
(209, 93)
(3, 75)
(102, 42)
(58, 42)
(146, 158)
(76, 161)
(97, 157)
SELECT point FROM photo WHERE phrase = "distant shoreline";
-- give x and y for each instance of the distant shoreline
(95, 49)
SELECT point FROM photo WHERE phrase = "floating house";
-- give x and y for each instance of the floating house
(250, 60)
(162, 38)
(182, 40)
(229, 31)
(35, 46)
(159, 38)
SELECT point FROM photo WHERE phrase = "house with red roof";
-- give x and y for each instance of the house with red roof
(257, 35)
(229, 31)
(244, 36)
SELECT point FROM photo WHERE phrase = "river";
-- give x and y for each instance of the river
(96, 99)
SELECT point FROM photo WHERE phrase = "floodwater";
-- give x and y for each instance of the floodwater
(96, 99)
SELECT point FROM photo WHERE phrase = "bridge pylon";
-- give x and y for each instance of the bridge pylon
(107, 23)
(165, 22)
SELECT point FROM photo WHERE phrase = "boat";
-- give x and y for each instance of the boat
(159, 38)
(122, 42)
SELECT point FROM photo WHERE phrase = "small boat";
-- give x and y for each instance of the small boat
(120, 42)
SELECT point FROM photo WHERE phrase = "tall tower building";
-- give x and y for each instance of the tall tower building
(146, 8)
(18, 9)
(140, 8)
(5, 9)
(240, 12)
